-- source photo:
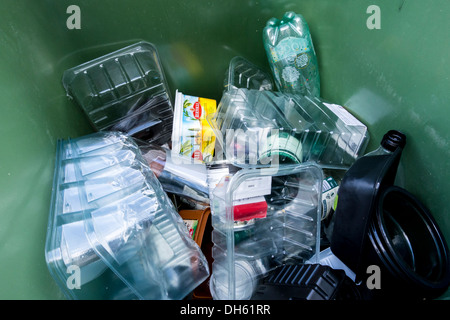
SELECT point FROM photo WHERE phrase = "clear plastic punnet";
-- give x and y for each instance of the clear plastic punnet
(113, 233)
(124, 91)
(263, 217)
(242, 73)
(254, 127)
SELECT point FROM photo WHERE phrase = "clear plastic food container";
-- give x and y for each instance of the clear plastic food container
(113, 232)
(125, 91)
(263, 218)
(242, 73)
(255, 127)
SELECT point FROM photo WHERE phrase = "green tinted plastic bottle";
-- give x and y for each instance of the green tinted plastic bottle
(291, 55)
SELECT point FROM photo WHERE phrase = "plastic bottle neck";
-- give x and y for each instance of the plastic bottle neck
(379, 151)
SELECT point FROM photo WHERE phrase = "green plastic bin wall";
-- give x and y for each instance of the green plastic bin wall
(395, 77)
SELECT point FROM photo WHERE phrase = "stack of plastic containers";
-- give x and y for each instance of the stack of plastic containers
(263, 218)
(125, 91)
(113, 233)
(266, 210)
(267, 127)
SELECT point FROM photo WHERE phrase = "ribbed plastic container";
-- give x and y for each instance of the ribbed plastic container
(126, 91)
(242, 73)
(262, 127)
(285, 229)
(112, 232)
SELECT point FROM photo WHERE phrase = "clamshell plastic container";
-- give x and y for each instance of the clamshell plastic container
(256, 127)
(112, 231)
(125, 91)
(285, 230)
(242, 73)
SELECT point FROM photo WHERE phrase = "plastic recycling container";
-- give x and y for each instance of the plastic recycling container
(376, 58)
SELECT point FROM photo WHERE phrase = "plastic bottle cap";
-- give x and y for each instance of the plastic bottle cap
(393, 139)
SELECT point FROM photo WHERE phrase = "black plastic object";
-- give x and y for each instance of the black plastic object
(406, 243)
(357, 200)
(378, 224)
(393, 139)
(306, 282)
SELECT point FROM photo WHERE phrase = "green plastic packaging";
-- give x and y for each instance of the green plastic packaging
(291, 55)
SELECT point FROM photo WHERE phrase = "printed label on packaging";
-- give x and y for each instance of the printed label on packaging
(329, 193)
(248, 199)
(343, 114)
(253, 187)
(192, 136)
(352, 143)
(250, 208)
(214, 176)
(289, 48)
(191, 226)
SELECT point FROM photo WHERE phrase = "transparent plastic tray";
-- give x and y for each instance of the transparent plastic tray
(113, 232)
(242, 73)
(247, 249)
(125, 91)
(265, 127)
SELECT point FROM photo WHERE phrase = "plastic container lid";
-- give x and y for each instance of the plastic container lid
(125, 91)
